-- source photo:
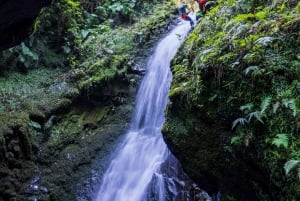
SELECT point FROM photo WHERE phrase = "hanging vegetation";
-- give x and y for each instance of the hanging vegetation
(236, 89)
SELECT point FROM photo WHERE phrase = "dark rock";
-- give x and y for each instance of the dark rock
(201, 153)
(17, 19)
(64, 141)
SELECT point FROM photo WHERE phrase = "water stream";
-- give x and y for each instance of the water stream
(144, 169)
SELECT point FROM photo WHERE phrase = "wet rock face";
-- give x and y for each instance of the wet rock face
(49, 153)
(17, 19)
(199, 140)
(17, 152)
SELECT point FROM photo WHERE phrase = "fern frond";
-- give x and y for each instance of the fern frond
(209, 50)
(290, 165)
(248, 106)
(250, 69)
(286, 102)
(234, 64)
(265, 40)
(236, 30)
(256, 114)
(291, 104)
(281, 140)
(240, 121)
(235, 140)
(265, 104)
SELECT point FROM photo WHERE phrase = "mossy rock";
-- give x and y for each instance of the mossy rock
(232, 68)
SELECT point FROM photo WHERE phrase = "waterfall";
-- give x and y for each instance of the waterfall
(144, 169)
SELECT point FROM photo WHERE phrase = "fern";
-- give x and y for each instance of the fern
(291, 104)
(235, 30)
(290, 165)
(236, 140)
(240, 121)
(265, 104)
(248, 106)
(27, 52)
(281, 140)
(213, 97)
(256, 114)
(250, 69)
(245, 5)
(265, 40)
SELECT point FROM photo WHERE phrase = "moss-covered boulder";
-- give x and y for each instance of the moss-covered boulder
(233, 116)
(67, 95)
(17, 152)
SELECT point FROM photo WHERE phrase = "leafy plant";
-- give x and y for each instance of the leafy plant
(236, 140)
(281, 140)
(291, 104)
(239, 121)
(251, 69)
(265, 40)
(291, 165)
(265, 104)
(257, 115)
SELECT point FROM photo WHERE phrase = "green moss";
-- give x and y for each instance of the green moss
(176, 129)
(107, 53)
(13, 120)
(238, 58)
(93, 116)
(71, 148)
(16, 137)
(37, 106)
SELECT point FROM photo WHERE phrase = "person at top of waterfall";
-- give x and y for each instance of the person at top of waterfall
(201, 4)
(184, 14)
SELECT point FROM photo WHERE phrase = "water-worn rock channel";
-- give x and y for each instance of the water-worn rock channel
(143, 168)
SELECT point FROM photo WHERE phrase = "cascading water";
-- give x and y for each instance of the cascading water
(144, 169)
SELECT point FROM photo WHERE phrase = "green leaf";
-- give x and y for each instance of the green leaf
(85, 33)
(250, 69)
(66, 49)
(281, 140)
(248, 106)
(236, 140)
(240, 121)
(265, 104)
(35, 125)
(27, 52)
(290, 165)
(116, 7)
(291, 104)
(213, 97)
(265, 40)
(257, 115)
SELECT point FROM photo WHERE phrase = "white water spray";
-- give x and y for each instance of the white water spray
(136, 172)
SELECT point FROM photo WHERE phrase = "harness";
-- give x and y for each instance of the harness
(184, 16)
